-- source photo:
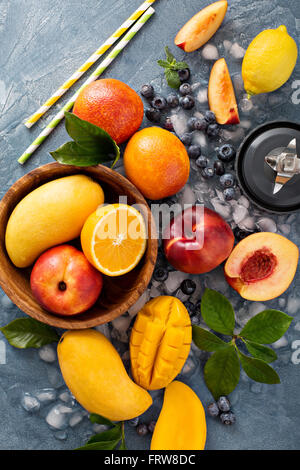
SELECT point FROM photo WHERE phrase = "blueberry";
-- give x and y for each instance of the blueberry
(227, 418)
(168, 124)
(210, 117)
(142, 429)
(208, 172)
(191, 123)
(227, 180)
(147, 91)
(160, 274)
(200, 125)
(153, 114)
(223, 404)
(173, 100)
(186, 138)
(219, 168)
(229, 194)
(213, 410)
(190, 307)
(213, 130)
(194, 151)
(188, 286)
(226, 153)
(202, 162)
(184, 74)
(185, 89)
(134, 422)
(195, 320)
(151, 426)
(159, 102)
(187, 102)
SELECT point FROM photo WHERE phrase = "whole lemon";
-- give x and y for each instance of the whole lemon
(269, 61)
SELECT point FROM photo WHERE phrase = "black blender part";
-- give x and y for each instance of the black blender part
(268, 167)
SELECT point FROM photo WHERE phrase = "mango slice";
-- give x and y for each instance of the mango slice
(160, 342)
(181, 424)
(96, 376)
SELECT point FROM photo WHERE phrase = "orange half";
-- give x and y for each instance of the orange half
(114, 239)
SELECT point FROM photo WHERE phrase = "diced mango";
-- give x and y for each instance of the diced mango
(160, 342)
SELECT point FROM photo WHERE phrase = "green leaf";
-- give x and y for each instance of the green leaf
(206, 340)
(172, 78)
(164, 64)
(266, 327)
(179, 66)
(217, 312)
(258, 370)
(29, 333)
(94, 418)
(111, 435)
(92, 145)
(222, 372)
(169, 55)
(261, 352)
(104, 445)
(122, 446)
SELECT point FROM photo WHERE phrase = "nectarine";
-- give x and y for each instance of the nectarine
(221, 96)
(262, 266)
(64, 282)
(198, 240)
(201, 27)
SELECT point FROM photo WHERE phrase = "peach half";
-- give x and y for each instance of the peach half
(221, 96)
(201, 27)
(262, 266)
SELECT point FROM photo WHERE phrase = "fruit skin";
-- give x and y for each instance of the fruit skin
(52, 214)
(111, 105)
(269, 61)
(156, 162)
(160, 342)
(95, 374)
(210, 243)
(201, 27)
(221, 96)
(181, 424)
(280, 276)
(64, 282)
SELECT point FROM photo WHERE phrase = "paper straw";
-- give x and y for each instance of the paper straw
(90, 61)
(102, 67)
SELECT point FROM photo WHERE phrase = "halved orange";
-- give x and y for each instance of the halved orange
(114, 239)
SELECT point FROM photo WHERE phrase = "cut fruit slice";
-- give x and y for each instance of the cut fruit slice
(262, 266)
(221, 96)
(114, 239)
(201, 27)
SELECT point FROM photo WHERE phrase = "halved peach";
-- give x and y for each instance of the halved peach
(221, 96)
(201, 27)
(262, 266)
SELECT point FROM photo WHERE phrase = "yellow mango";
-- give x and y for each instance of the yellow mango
(181, 424)
(52, 214)
(96, 376)
(160, 342)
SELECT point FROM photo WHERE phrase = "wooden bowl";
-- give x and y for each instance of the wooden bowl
(119, 293)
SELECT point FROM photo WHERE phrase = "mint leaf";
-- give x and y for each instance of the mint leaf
(106, 440)
(222, 372)
(172, 78)
(92, 145)
(217, 312)
(169, 55)
(94, 418)
(29, 333)
(206, 340)
(179, 66)
(258, 370)
(260, 352)
(163, 63)
(171, 67)
(110, 435)
(266, 327)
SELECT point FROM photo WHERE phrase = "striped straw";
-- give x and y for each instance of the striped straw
(102, 67)
(90, 61)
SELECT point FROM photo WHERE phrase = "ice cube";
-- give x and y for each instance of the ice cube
(187, 197)
(75, 419)
(98, 428)
(61, 435)
(57, 417)
(233, 136)
(54, 376)
(179, 121)
(139, 304)
(239, 213)
(281, 302)
(238, 84)
(246, 105)
(293, 305)
(227, 45)
(46, 395)
(265, 224)
(297, 326)
(210, 52)
(202, 96)
(67, 397)
(237, 51)
(285, 228)
(104, 329)
(224, 210)
(174, 280)
(30, 403)
(47, 353)
(280, 343)
(245, 124)
(154, 292)
(255, 308)
(244, 202)
(199, 138)
(247, 224)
